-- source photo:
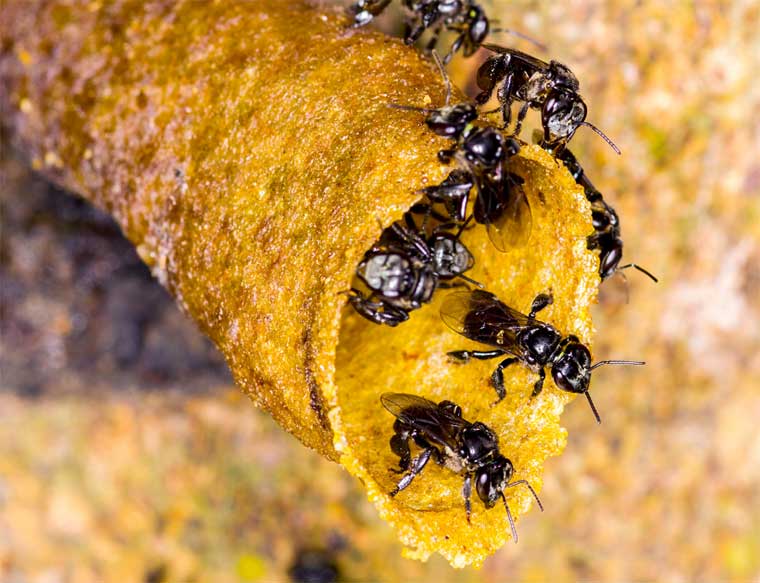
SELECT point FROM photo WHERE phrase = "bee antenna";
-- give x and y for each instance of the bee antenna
(604, 137)
(641, 269)
(472, 281)
(593, 408)
(410, 108)
(442, 69)
(603, 362)
(509, 516)
(464, 226)
(521, 35)
(532, 491)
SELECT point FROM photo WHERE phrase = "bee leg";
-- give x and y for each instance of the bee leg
(521, 117)
(413, 32)
(489, 75)
(464, 356)
(539, 303)
(450, 407)
(467, 495)
(445, 156)
(504, 95)
(418, 463)
(592, 241)
(497, 378)
(434, 41)
(452, 285)
(377, 312)
(539, 386)
(400, 446)
(364, 12)
(454, 48)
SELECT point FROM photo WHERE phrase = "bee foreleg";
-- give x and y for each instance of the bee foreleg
(538, 387)
(467, 494)
(446, 156)
(434, 41)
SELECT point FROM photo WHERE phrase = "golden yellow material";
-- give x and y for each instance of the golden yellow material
(247, 150)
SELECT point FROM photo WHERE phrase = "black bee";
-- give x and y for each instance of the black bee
(466, 448)
(403, 270)
(551, 87)
(480, 147)
(480, 316)
(464, 17)
(606, 235)
(444, 250)
(501, 204)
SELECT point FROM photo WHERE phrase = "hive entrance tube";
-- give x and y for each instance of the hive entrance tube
(248, 151)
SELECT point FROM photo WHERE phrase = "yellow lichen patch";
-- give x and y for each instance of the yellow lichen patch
(248, 151)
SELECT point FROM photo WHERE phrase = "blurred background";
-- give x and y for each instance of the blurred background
(126, 454)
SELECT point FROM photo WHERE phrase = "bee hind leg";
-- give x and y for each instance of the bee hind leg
(464, 356)
(417, 465)
(400, 446)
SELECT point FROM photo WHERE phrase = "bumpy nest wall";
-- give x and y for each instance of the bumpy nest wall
(248, 152)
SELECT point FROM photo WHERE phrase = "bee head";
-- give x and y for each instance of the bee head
(452, 120)
(492, 478)
(610, 258)
(562, 114)
(572, 369)
(485, 147)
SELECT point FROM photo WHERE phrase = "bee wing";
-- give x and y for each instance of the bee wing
(503, 207)
(481, 316)
(512, 224)
(438, 426)
(398, 403)
(527, 59)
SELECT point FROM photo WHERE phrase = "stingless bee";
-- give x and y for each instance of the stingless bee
(607, 234)
(484, 153)
(550, 87)
(404, 268)
(464, 17)
(463, 447)
(480, 316)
